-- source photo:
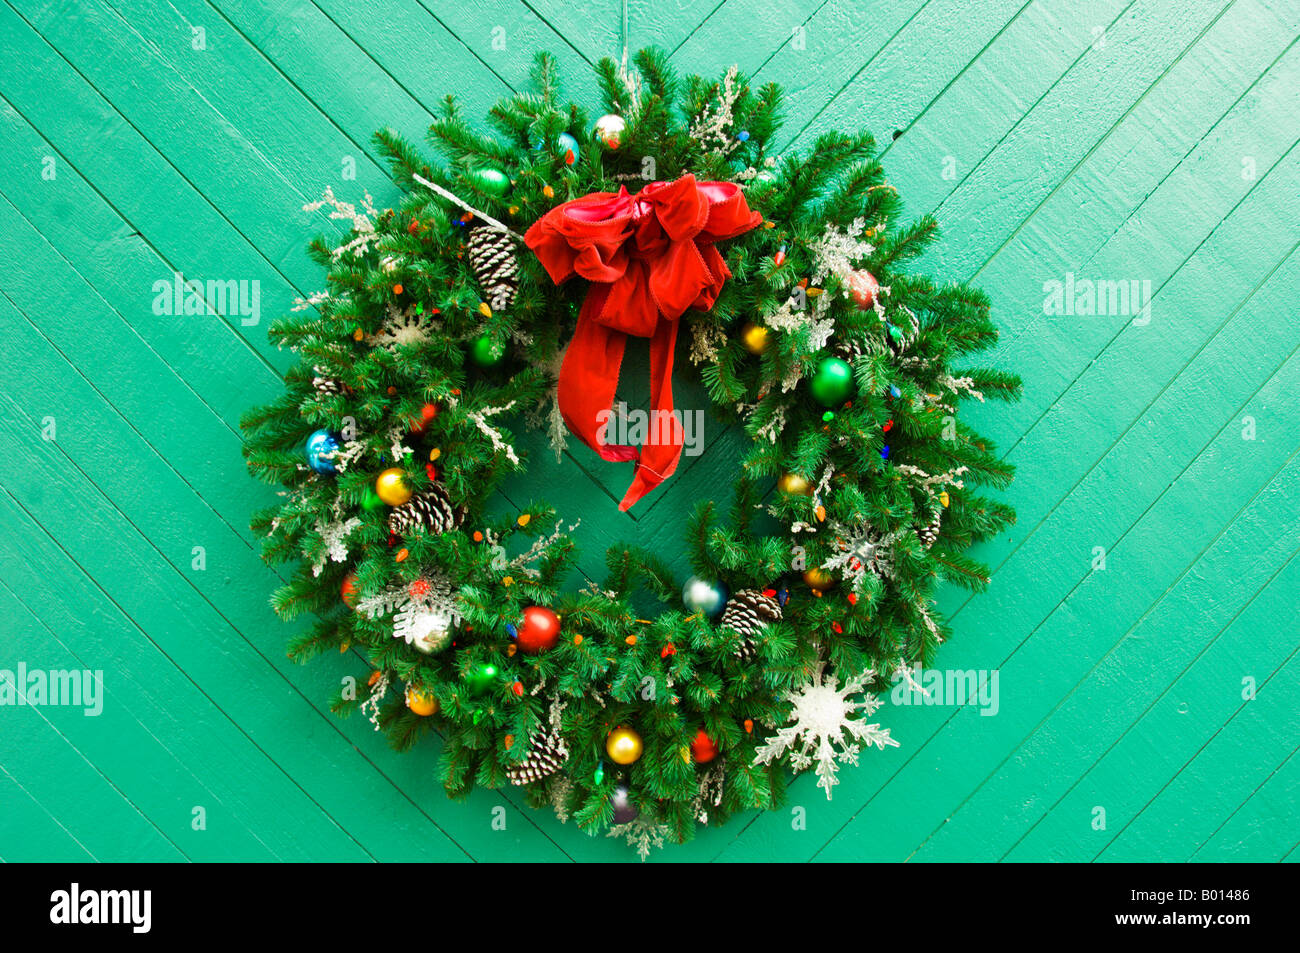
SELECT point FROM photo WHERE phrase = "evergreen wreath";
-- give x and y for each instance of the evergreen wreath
(440, 331)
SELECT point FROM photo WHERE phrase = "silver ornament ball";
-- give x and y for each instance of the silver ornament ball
(625, 812)
(704, 595)
(609, 131)
(432, 632)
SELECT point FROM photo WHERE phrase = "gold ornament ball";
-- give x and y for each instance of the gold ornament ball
(623, 746)
(421, 702)
(756, 338)
(795, 484)
(391, 486)
(818, 579)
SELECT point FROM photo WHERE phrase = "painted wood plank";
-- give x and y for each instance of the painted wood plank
(1213, 783)
(133, 177)
(1251, 641)
(597, 30)
(131, 753)
(62, 779)
(1254, 831)
(852, 80)
(29, 833)
(1179, 630)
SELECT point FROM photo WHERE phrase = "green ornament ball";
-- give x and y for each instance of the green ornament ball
(480, 678)
(832, 382)
(491, 181)
(371, 500)
(485, 352)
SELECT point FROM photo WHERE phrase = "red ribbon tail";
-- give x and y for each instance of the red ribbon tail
(663, 449)
(588, 378)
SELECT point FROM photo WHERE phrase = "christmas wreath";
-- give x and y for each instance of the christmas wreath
(496, 300)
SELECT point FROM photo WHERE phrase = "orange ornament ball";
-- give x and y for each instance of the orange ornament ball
(818, 579)
(540, 631)
(349, 591)
(702, 748)
(421, 702)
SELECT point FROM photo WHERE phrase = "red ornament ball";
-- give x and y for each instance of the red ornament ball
(702, 748)
(349, 591)
(427, 413)
(540, 631)
(864, 288)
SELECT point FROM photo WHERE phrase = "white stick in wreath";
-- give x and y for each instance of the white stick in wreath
(451, 197)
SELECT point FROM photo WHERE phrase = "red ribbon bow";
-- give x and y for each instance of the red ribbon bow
(649, 256)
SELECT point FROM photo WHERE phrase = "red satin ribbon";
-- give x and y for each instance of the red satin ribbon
(649, 256)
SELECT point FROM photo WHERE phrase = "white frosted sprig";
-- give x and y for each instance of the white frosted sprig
(377, 692)
(362, 221)
(523, 561)
(712, 127)
(706, 341)
(313, 300)
(457, 200)
(498, 442)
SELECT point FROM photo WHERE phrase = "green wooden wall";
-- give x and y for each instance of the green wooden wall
(1150, 582)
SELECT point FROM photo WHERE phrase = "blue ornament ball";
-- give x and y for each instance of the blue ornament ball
(567, 147)
(321, 447)
(704, 595)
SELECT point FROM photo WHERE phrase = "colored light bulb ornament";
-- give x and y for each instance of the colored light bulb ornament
(427, 415)
(349, 591)
(320, 449)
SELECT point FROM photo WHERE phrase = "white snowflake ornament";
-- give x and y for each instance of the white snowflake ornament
(822, 728)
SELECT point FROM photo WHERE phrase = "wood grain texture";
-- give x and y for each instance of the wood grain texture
(1109, 140)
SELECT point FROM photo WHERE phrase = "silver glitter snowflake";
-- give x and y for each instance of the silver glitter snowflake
(333, 541)
(822, 730)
